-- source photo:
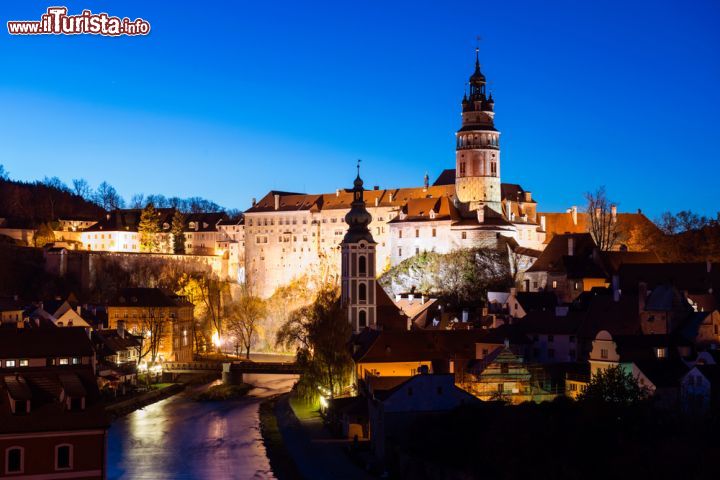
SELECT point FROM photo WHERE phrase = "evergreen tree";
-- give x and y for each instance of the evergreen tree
(178, 233)
(148, 229)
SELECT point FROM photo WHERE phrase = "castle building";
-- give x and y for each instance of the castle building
(290, 235)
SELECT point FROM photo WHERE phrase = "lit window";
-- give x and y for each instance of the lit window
(9, 363)
(603, 353)
(554, 284)
(24, 363)
(76, 360)
(64, 361)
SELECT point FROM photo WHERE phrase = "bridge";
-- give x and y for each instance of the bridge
(232, 372)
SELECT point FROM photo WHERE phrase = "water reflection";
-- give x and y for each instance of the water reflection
(181, 439)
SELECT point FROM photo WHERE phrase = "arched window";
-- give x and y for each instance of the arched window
(63, 457)
(362, 265)
(362, 319)
(362, 292)
(14, 460)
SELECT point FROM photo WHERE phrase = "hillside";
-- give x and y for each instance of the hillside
(29, 204)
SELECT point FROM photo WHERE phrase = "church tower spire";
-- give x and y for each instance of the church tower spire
(358, 263)
(477, 151)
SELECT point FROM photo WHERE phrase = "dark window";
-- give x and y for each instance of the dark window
(362, 264)
(14, 460)
(362, 319)
(362, 292)
(63, 457)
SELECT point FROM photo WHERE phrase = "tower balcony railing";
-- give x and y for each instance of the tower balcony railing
(477, 147)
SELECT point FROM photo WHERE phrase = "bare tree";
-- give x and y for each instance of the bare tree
(81, 188)
(243, 318)
(210, 292)
(152, 329)
(603, 221)
(107, 197)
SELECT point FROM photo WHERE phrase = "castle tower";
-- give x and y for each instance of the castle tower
(358, 264)
(477, 153)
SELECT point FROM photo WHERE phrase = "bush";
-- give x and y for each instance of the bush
(223, 392)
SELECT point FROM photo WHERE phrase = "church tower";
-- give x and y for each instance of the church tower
(477, 153)
(358, 264)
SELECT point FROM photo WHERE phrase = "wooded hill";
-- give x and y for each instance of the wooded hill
(30, 204)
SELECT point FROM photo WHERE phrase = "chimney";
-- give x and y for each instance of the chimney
(571, 245)
(277, 202)
(542, 223)
(377, 201)
(392, 196)
(121, 328)
(642, 296)
(509, 211)
(481, 215)
(613, 212)
(616, 287)
(337, 192)
(254, 201)
(426, 182)
(411, 298)
(376, 187)
(527, 196)
(573, 213)
(78, 309)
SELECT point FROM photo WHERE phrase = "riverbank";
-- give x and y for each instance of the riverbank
(281, 461)
(296, 435)
(124, 407)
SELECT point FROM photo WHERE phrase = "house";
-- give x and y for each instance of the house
(520, 304)
(572, 263)
(700, 389)
(566, 267)
(29, 348)
(152, 312)
(59, 313)
(404, 353)
(11, 311)
(555, 338)
(391, 411)
(654, 360)
(350, 417)
(118, 354)
(52, 424)
(502, 375)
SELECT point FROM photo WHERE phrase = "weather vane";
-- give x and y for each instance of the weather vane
(477, 43)
(358, 166)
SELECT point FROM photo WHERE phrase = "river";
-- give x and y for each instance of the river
(178, 438)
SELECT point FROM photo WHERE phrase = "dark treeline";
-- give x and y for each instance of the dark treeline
(29, 204)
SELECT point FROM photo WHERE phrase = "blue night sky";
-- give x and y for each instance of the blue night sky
(233, 99)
